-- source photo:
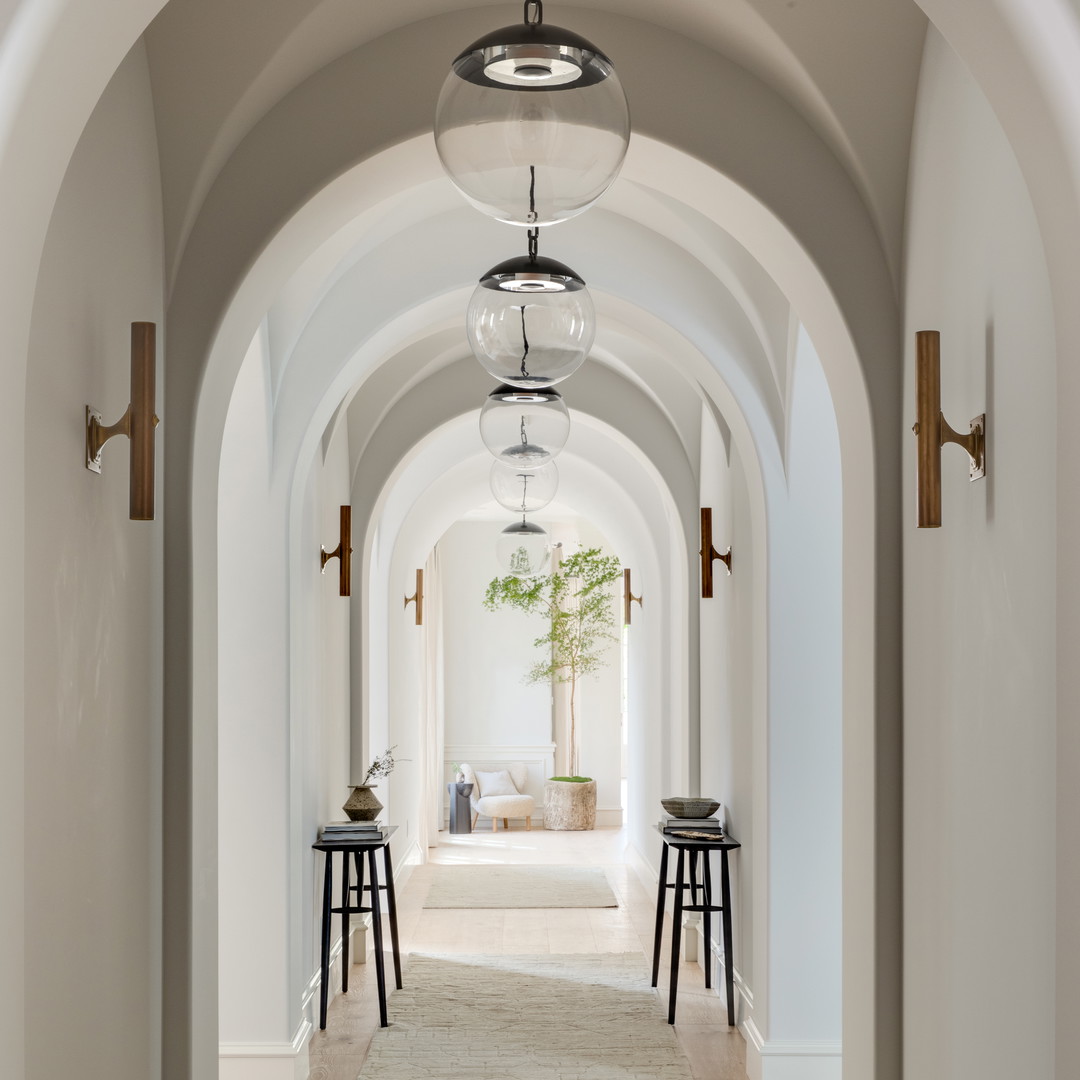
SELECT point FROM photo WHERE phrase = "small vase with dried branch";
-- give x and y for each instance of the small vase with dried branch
(362, 804)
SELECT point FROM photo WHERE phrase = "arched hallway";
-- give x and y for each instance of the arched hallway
(257, 179)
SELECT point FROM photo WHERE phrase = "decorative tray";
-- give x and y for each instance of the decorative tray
(694, 834)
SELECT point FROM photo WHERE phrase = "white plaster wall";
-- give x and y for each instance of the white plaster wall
(273, 726)
(93, 619)
(600, 725)
(979, 610)
(725, 687)
(599, 715)
(322, 726)
(805, 721)
(656, 686)
(253, 738)
(328, 779)
(736, 768)
(401, 791)
(487, 653)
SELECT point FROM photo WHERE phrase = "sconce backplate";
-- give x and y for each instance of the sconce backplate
(978, 461)
(93, 461)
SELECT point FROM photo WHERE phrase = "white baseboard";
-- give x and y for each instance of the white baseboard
(780, 1060)
(605, 819)
(646, 872)
(406, 862)
(289, 1061)
(742, 990)
(267, 1061)
(358, 950)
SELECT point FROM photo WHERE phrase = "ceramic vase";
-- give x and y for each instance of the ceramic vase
(362, 805)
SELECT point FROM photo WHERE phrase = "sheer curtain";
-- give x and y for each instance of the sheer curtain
(432, 727)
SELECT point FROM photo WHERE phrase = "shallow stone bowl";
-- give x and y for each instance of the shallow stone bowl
(687, 807)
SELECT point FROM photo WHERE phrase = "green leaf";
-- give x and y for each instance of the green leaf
(576, 603)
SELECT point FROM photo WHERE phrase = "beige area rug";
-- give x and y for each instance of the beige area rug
(519, 887)
(587, 1016)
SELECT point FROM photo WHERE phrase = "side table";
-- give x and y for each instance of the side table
(357, 849)
(460, 811)
(705, 848)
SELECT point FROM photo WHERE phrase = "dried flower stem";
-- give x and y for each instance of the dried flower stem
(383, 765)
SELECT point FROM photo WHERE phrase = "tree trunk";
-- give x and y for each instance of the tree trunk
(573, 727)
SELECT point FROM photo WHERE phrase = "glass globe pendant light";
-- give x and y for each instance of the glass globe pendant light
(522, 549)
(532, 122)
(531, 320)
(524, 428)
(524, 490)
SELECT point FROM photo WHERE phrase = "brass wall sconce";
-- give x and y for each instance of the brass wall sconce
(417, 598)
(343, 553)
(933, 432)
(628, 596)
(137, 424)
(709, 554)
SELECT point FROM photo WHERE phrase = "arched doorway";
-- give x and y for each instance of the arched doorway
(349, 350)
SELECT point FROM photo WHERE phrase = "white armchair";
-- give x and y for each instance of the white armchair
(497, 793)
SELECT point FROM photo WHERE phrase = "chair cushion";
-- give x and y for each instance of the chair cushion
(507, 806)
(495, 783)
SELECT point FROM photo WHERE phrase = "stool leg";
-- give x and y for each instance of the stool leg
(346, 903)
(376, 931)
(706, 878)
(725, 918)
(676, 933)
(391, 910)
(324, 965)
(358, 865)
(661, 896)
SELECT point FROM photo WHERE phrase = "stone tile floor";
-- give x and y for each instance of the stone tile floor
(715, 1051)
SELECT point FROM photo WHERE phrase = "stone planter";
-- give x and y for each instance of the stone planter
(569, 805)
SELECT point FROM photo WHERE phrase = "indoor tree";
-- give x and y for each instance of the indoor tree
(576, 599)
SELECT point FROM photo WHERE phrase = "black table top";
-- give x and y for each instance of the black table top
(348, 845)
(718, 843)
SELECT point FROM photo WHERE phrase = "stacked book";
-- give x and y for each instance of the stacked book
(711, 826)
(348, 832)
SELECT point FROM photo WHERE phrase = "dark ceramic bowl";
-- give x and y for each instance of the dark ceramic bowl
(687, 807)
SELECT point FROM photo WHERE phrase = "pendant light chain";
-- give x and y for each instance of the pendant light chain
(578, 92)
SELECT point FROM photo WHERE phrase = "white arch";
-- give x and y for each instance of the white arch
(322, 374)
(421, 498)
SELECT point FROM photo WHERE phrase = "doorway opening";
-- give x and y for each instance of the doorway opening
(492, 712)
